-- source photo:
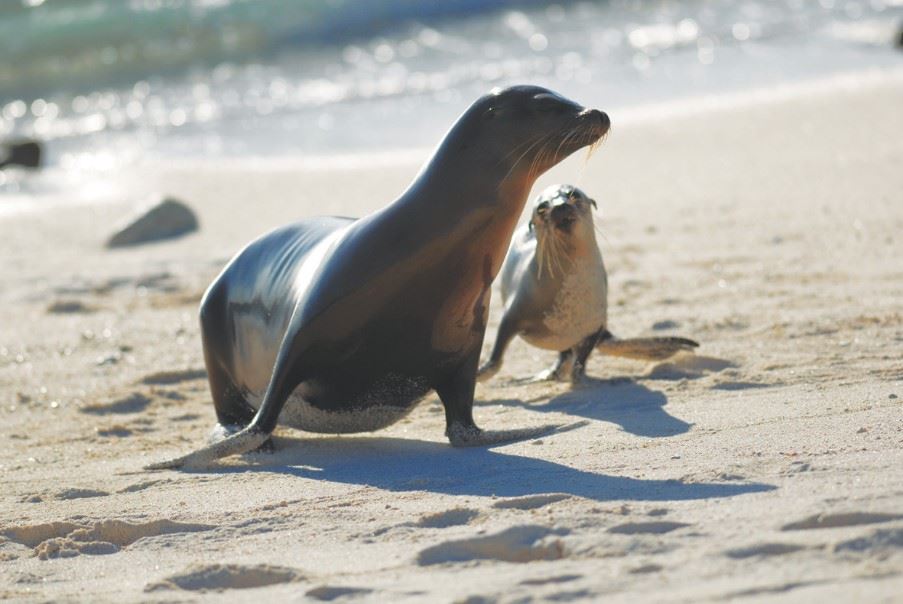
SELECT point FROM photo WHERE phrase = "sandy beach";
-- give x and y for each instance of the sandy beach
(767, 466)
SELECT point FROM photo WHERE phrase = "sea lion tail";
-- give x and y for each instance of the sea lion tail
(244, 441)
(647, 349)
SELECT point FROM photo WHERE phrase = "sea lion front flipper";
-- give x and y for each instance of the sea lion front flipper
(459, 436)
(507, 330)
(246, 440)
(456, 394)
(581, 352)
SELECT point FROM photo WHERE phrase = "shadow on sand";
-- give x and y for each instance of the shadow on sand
(634, 407)
(402, 465)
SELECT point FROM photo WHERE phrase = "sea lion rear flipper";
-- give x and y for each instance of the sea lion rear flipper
(241, 442)
(286, 376)
(456, 394)
(507, 330)
(647, 349)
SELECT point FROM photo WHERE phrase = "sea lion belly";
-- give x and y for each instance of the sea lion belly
(384, 403)
(579, 310)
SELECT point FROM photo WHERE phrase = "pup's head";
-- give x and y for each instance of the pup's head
(563, 208)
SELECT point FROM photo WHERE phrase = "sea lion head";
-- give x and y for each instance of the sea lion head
(562, 207)
(522, 131)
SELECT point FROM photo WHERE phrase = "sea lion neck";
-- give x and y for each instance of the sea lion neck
(454, 186)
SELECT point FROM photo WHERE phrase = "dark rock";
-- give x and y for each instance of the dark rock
(25, 153)
(163, 218)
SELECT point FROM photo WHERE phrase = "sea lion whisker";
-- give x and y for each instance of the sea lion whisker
(533, 144)
(561, 256)
(541, 249)
(542, 157)
(525, 146)
(550, 249)
(539, 158)
(567, 139)
(517, 148)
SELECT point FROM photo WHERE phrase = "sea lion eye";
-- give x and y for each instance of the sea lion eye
(543, 207)
(546, 101)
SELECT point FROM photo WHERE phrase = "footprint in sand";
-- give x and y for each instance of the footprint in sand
(439, 520)
(763, 550)
(531, 502)
(114, 431)
(328, 593)
(646, 528)
(732, 386)
(823, 521)
(881, 543)
(162, 378)
(553, 579)
(67, 539)
(69, 307)
(453, 517)
(517, 544)
(80, 494)
(140, 486)
(646, 569)
(133, 403)
(688, 366)
(220, 577)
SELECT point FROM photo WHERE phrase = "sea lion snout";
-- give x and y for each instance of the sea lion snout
(598, 118)
(564, 214)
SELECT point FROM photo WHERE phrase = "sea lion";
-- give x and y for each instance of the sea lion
(339, 325)
(555, 291)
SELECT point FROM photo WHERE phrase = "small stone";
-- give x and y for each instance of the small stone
(109, 359)
(161, 218)
(25, 153)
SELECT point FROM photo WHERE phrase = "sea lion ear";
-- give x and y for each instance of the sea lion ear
(593, 201)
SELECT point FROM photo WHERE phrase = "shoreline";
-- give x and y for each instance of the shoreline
(624, 117)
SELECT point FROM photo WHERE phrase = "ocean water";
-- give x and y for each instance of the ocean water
(107, 83)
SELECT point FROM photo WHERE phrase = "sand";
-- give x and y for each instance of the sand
(768, 466)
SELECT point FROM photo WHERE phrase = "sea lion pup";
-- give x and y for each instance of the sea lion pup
(555, 291)
(337, 325)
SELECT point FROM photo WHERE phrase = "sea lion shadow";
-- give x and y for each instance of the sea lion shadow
(636, 408)
(403, 465)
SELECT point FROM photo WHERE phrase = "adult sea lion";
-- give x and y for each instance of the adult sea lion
(555, 291)
(339, 325)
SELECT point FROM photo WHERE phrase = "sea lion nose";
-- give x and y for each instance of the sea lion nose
(562, 208)
(600, 117)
